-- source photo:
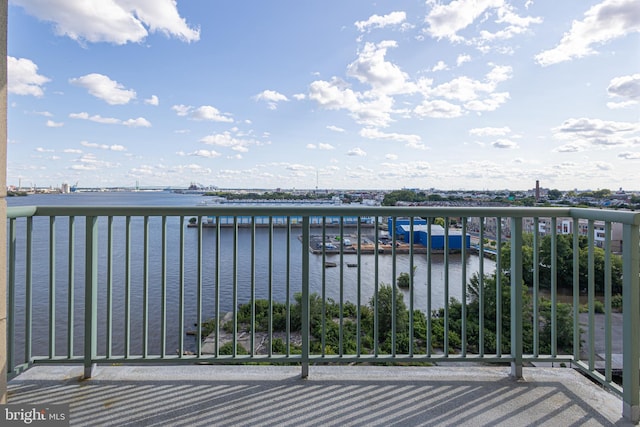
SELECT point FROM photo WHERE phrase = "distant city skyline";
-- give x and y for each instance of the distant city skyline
(454, 95)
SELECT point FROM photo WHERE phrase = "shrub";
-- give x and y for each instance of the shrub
(227, 349)
(616, 302)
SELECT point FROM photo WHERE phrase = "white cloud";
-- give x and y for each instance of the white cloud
(139, 122)
(114, 147)
(211, 154)
(416, 145)
(445, 20)
(136, 123)
(462, 59)
(72, 151)
(515, 25)
(602, 23)
(490, 131)
(440, 66)
(377, 21)
(356, 152)
(52, 124)
(95, 118)
(23, 77)
(438, 109)
(336, 95)
(321, 146)
(104, 88)
(621, 105)
(181, 110)
(226, 139)
(202, 113)
(372, 133)
(335, 128)
(383, 76)
(391, 156)
(625, 87)
(113, 21)
(627, 155)
(152, 101)
(504, 143)
(596, 132)
(44, 150)
(271, 97)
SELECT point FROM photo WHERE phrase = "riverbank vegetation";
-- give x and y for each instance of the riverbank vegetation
(382, 325)
(339, 328)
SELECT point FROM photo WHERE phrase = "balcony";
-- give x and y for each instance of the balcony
(120, 296)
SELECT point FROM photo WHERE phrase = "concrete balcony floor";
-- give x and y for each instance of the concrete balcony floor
(331, 396)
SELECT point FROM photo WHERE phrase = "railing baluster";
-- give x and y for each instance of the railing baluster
(591, 296)
(252, 297)
(429, 286)
(235, 288)
(109, 337)
(199, 260)
(607, 300)
(270, 284)
(163, 291)
(304, 301)
(481, 289)
(536, 286)
(181, 290)
(498, 287)
(463, 298)
(576, 290)
(90, 295)
(376, 289)
(446, 291)
(341, 269)
(71, 288)
(52, 287)
(411, 266)
(218, 317)
(394, 274)
(359, 290)
(28, 293)
(516, 297)
(554, 288)
(288, 288)
(324, 285)
(145, 289)
(127, 289)
(11, 296)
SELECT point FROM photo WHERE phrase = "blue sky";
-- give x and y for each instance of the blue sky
(463, 94)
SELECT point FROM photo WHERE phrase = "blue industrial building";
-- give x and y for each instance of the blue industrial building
(421, 236)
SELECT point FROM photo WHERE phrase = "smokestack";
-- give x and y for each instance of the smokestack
(537, 190)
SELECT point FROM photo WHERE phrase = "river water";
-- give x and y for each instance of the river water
(341, 282)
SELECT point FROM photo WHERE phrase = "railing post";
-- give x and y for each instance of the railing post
(631, 323)
(516, 297)
(90, 295)
(304, 302)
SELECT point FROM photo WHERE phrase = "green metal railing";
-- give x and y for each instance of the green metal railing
(103, 285)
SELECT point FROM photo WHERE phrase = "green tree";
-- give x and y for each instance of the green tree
(382, 304)
(554, 194)
(564, 262)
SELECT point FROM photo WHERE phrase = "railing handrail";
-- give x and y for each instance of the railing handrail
(624, 217)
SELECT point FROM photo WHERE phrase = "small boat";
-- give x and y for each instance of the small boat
(330, 264)
(352, 264)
